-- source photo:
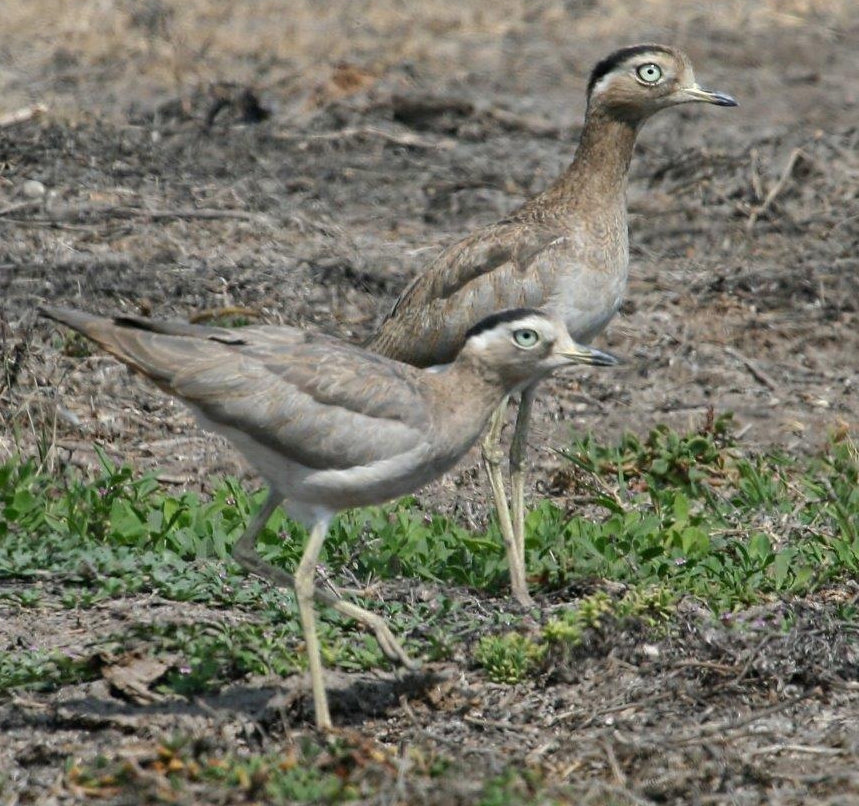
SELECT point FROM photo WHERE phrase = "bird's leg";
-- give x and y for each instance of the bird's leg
(304, 590)
(492, 456)
(390, 646)
(518, 449)
(245, 554)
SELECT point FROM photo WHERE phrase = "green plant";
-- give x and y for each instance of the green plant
(663, 458)
(25, 597)
(43, 669)
(508, 658)
(652, 605)
(732, 528)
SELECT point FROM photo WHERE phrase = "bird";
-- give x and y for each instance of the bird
(331, 426)
(564, 251)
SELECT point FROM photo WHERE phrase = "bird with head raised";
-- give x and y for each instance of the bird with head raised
(331, 426)
(565, 251)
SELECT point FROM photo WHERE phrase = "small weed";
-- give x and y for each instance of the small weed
(683, 515)
(664, 459)
(75, 345)
(570, 626)
(275, 778)
(512, 788)
(28, 597)
(508, 658)
(309, 771)
(211, 655)
(43, 669)
(652, 606)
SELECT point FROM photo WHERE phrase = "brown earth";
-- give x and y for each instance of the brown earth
(151, 183)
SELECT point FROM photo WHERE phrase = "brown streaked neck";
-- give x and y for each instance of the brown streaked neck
(599, 170)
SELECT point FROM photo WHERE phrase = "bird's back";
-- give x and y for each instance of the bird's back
(572, 265)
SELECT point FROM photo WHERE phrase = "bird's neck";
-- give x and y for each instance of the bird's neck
(599, 170)
(480, 381)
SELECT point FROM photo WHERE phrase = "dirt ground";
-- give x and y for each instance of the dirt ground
(302, 160)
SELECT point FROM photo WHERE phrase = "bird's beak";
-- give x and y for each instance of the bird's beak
(579, 354)
(696, 93)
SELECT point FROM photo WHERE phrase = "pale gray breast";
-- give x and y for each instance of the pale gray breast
(575, 267)
(585, 273)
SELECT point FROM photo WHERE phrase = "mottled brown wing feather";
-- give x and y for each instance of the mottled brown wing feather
(508, 241)
(311, 401)
(483, 273)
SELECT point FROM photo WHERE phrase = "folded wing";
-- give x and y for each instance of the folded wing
(304, 395)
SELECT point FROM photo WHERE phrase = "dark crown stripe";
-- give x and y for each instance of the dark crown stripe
(618, 57)
(494, 319)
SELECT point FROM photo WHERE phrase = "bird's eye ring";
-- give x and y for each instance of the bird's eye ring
(649, 73)
(526, 337)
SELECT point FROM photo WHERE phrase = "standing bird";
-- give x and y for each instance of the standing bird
(331, 426)
(565, 252)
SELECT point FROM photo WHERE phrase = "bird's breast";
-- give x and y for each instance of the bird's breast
(589, 273)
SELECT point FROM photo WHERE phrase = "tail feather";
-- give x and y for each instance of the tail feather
(221, 334)
(159, 350)
(77, 320)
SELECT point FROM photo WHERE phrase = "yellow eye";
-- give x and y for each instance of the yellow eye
(526, 337)
(649, 73)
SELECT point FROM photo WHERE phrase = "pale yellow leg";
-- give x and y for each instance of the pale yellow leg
(492, 456)
(518, 451)
(244, 552)
(304, 587)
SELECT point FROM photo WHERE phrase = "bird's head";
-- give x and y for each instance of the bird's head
(635, 82)
(522, 345)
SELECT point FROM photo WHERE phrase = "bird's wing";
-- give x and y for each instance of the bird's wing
(493, 269)
(511, 241)
(176, 328)
(322, 403)
(318, 401)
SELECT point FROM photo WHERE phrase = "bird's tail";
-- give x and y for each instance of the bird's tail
(159, 350)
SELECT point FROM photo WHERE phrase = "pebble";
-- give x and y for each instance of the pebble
(33, 189)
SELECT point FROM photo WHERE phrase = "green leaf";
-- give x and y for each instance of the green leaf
(782, 567)
(680, 509)
(760, 547)
(694, 541)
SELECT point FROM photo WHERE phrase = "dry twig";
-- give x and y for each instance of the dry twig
(397, 138)
(723, 730)
(22, 115)
(72, 212)
(775, 190)
(756, 372)
(17, 207)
